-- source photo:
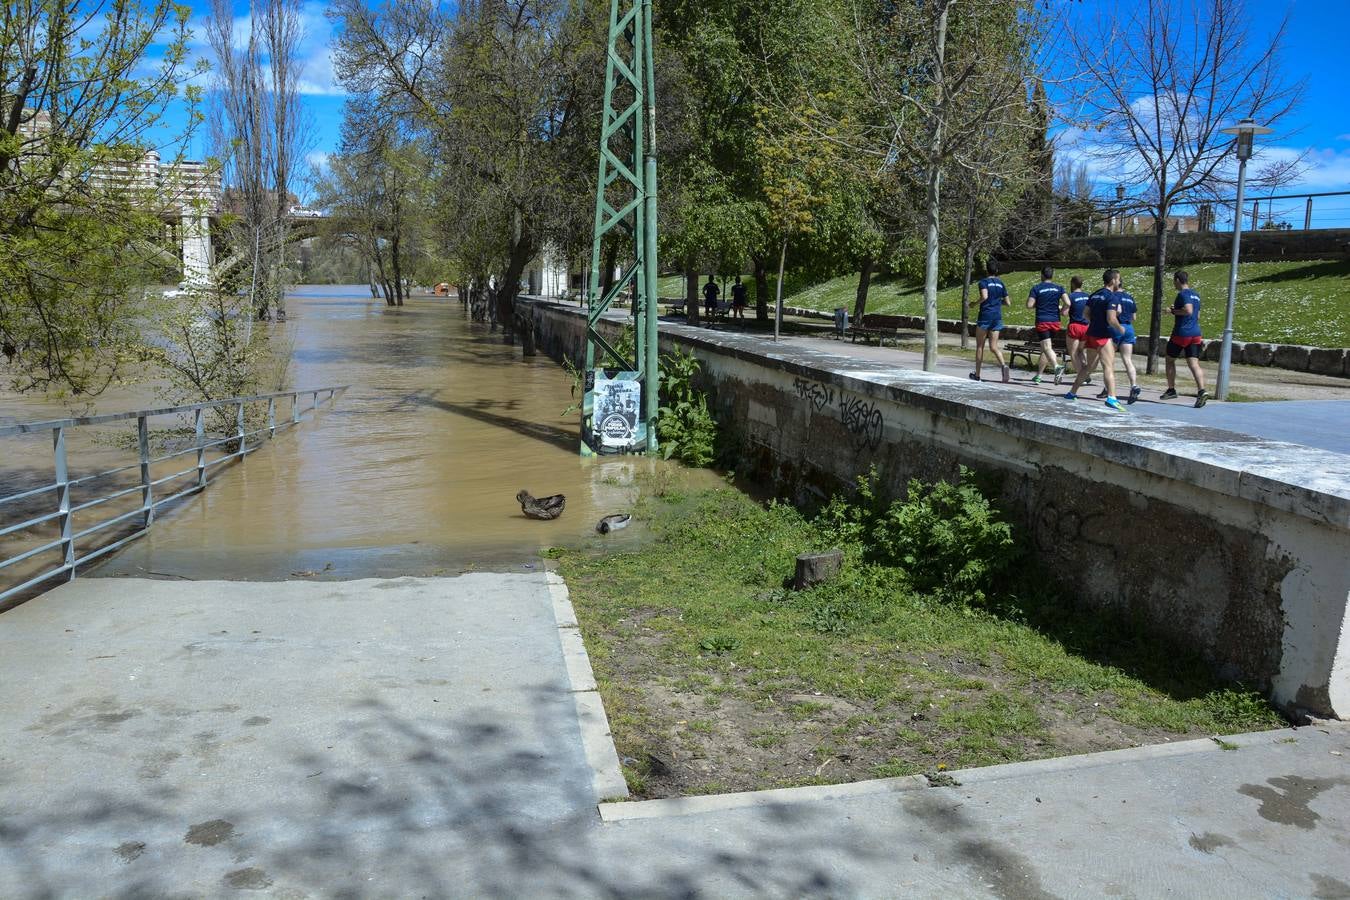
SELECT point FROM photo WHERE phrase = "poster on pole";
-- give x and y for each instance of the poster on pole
(611, 414)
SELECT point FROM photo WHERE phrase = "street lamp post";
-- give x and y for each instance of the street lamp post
(1246, 132)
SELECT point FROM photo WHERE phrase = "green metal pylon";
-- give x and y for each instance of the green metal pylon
(625, 201)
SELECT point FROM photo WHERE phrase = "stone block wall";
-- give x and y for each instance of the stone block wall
(1229, 544)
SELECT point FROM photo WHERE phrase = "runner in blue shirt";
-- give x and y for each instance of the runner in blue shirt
(1078, 325)
(1126, 308)
(1103, 325)
(1186, 339)
(1049, 300)
(993, 297)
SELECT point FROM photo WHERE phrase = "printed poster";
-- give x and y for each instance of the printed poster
(611, 414)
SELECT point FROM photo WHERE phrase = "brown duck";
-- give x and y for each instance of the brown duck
(543, 507)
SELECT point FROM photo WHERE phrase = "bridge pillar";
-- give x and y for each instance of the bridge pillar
(197, 250)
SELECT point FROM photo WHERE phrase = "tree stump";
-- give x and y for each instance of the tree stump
(816, 568)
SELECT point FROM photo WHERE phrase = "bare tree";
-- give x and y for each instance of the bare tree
(258, 135)
(1165, 77)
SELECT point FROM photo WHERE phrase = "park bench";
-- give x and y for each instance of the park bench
(879, 328)
(1031, 350)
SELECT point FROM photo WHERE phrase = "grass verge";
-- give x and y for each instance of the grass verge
(1278, 302)
(716, 678)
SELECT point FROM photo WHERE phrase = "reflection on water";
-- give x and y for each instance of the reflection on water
(440, 428)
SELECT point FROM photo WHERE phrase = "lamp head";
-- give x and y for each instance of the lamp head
(1246, 132)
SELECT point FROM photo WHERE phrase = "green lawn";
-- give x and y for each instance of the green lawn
(715, 678)
(1278, 302)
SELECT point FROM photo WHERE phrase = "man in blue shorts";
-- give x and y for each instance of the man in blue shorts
(1126, 308)
(993, 297)
(1186, 339)
(1103, 326)
(1049, 300)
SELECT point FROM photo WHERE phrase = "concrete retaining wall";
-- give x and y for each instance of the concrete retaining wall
(1297, 358)
(1231, 544)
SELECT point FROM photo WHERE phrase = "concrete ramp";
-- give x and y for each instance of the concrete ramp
(195, 738)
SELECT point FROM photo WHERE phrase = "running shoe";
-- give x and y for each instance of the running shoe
(1201, 398)
(1169, 394)
(1070, 396)
(1102, 395)
(1088, 380)
(974, 377)
(1134, 393)
(1007, 375)
(1115, 404)
(1059, 374)
(1036, 379)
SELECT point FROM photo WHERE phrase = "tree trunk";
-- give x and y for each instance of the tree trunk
(864, 284)
(930, 266)
(506, 294)
(965, 294)
(690, 297)
(778, 291)
(761, 290)
(398, 269)
(608, 261)
(1159, 265)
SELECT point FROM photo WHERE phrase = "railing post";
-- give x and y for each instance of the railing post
(271, 417)
(1307, 216)
(295, 407)
(201, 447)
(239, 428)
(63, 500)
(143, 443)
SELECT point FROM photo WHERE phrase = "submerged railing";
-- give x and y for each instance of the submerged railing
(50, 509)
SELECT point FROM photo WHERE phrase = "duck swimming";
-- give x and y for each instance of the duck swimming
(542, 507)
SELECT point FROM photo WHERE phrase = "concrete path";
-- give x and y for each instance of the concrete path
(372, 738)
(1324, 424)
(432, 738)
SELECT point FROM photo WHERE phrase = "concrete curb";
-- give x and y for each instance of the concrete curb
(596, 738)
(686, 806)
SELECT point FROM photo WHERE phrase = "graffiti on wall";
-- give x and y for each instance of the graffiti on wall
(861, 418)
(813, 392)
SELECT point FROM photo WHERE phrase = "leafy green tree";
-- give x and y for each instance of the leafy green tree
(82, 92)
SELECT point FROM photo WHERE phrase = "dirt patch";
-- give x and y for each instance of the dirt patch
(703, 735)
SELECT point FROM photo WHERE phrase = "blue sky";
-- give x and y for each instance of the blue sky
(1320, 128)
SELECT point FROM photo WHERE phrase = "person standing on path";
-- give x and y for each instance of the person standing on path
(1103, 325)
(1049, 300)
(993, 297)
(738, 299)
(1078, 326)
(710, 292)
(1186, 339)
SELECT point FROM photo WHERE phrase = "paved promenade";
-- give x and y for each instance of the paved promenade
(1324, 424)
(437, 738)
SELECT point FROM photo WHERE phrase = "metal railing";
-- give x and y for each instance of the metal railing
(57, 515)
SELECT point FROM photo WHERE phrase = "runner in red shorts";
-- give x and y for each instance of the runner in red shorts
(1103, 325)
(1049, 300)
(1078, 326)
(1186, 339)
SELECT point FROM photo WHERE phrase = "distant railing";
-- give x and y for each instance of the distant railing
(57, 511)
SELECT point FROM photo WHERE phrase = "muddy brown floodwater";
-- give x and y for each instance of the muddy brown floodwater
(413, 471)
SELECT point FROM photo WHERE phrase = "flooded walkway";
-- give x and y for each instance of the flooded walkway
(413, 471)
